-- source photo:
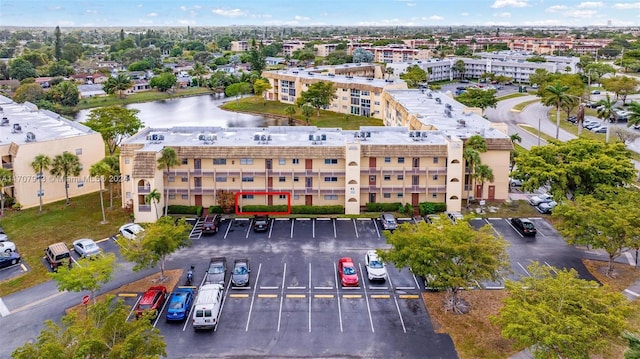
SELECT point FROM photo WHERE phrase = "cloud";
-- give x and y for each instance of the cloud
(497, 23)
(548, 22)
(411, 4)
(581, 13)
(54, 8)
(230, 12)
(556, 8)
(627, 5)
(297, 18)
(152, 14)
(509, 3)
(503, 14)
(436, 18)
(92, 12)
(590, 5)
(464, 14)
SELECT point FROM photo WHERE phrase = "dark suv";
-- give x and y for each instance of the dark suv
(210, 224)
(524, 226)
(261, 223)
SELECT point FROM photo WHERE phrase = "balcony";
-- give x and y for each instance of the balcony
(437, 189)
(144, 189)
(7, 166)
(144, 208)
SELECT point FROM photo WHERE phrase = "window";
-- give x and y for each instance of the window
(330, 161)
(247, 178)
(295, 161)
(400, 159)
(435, 160)
(185, 161)
(128, 195)
(282, 162)
(331, 197)
(78, 151)
(219, 161)
(435, 177)
(185, 196)
(184, 179)
(434, 195)
(364, 93)
(387, 160)
(372, 178)
(400, 177)
(172, 196)
(386, 195)
(246, 161)
(377, 103)
(387, 177)
(296, 179)
(331, 179)
(127, 160)
(400, 194)
(221, 179)
(247, 196)
(171, 179)
(282, 196)
(296, 197)
(282, 179)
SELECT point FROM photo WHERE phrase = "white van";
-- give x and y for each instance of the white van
(206, 310)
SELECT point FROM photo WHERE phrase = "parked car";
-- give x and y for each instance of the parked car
(543, 198)
(7, 247)
(211, 223)
(547, 207)
(572, 119)
(388, 221)
(455, 216)
(217, 271)
(348, 272)
(131, 230)
(524, 226)
(86, 247)
(57, 254)
(591, 125)
(595, 92)
(376, 270)
(514, 182)
(240, 274)
(206, 310)
(3, 236)
(152, 300)
(9, 258)
(261, 223)
(180, 302)
(601, 129)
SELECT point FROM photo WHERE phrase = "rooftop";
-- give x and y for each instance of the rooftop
(318, 73)
(18, 120)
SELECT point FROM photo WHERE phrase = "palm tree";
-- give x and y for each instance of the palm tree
(634, 113)
(482, 174)
(307, 111)
(114, 174)
(556, 95)
(475, 145)
(6, 179)
(515, 137)
(389, 71)
(290, 111)
(199, 70)
(100, 169)
(118, 84)
(167, 160)
(153, 197)
(459, 67)
(39, 164)
(606, 113)
(64, 165)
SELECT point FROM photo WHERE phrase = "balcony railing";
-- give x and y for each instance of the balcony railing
(144, 189)
(144, 208)
(7, 166)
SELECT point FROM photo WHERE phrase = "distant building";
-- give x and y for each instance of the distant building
(87, 91)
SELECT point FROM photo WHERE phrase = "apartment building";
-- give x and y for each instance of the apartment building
(240, 46)
(26, 132)
(324, 50)
(393, 54)
(288, 47)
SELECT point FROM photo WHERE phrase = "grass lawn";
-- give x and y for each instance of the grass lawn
(513, 95)
(522, 105)
(33, 232)
(257, 105)
(146, 96)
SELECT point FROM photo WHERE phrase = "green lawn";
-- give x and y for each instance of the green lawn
(33, 232)
(522, 105)
(146, 96)
(258, 105)
(513, 95)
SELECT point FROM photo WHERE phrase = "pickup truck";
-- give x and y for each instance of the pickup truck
(217, 271)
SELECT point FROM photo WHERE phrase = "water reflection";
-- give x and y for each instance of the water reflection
(192, 111)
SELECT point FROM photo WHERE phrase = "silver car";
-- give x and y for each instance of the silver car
(86, 248)
(388, 221)
(376, 270)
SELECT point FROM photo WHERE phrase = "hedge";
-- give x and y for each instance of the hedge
(178, 209)
(432, 207)
(295, 209)
(384, 207)
(215, 209)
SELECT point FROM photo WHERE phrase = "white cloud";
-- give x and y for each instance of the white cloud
(183, 8)
(464, 14)
(627, 5)
(139, 6)
(152, 14)
(509, 3)
(581, 13)
(229, 12)
(497, 23)
(92, 12)
(590, 5)
(556, 8)
(549, 22)
(411, 4)
(503, 14)
(436, 18)
(297, 17)
(54, 8)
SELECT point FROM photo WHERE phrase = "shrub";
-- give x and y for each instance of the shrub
(432, 207)
(178, 209)
(295, 209)
(215, 209)
(384, 207)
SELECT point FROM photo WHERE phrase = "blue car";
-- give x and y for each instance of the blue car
(179, 304)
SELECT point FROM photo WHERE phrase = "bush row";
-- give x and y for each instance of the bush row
(178, 209)
(283, 208)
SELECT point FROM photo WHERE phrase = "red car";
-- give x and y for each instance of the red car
(348, 272)
(152, 299)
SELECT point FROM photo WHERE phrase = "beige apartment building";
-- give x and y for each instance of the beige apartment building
(26, 132)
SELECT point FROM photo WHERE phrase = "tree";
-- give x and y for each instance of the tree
(164, 81)
(575, 167)
(596, 70)
(389, 71)
(290, 111)
(198, 70)
(89, 274)
(39, 165)
(450, 256)
(29, 92)
(257, 60)
(622, 86)
(58, 43)
(362, 55)
(260, 86)
(237, 89)
(459, 67)
(65, 93)
(559, 315)
(556, 96)
(634, 345)
(167, 160)
(473, 147)
(161, 238)
(6, 179)
(474, 97)
(414, 76)
(607, 219)
(515, 137)
(21, 69)
(483, 173)
(318, 95)
(153, 197)
(307, 111)
(605, 108)
(100, 170)
(103, 332)
(117, 85)
(114, 123)
(634, 113)
(114, 174)
(65, 165)
(226, 200)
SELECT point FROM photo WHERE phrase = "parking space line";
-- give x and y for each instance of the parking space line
(335, 233)
(313, 232)
(292, 222)
(267, 296)
(404, 329)
(269, 287)
(415, 280)
(159, 314)
(4, 311)
(249, 228)
(239, 295)
(127, 295)
(355, 228)
(524, 269)
(24, 268)
(380, 296)
(294, 288)
(284, 275)
(133, 308)
(350, 288)
(226, 232)
(632, 292)
(271, 221)
(378, 288)
(408, 296)
(296, 296)
(375, 223)
(323, 295)
(352, 296)
(335, 277)
(309, 297)
(320, 288)
(551, 267)
(508, 220)
(630, 258)
(405, 288)
(253, 298)
(366, 297)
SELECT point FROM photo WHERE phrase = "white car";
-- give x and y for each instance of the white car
(376, 270)
(547, 207)
(86, 247)
(543, 198)
(131, 230)
(7, 247)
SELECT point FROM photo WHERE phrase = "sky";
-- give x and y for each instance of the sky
(197, 13)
